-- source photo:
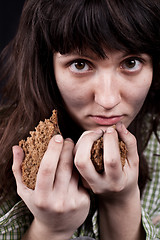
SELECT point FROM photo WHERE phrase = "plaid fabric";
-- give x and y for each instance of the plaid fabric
(15, 221)
(15, 218)
(151, 196)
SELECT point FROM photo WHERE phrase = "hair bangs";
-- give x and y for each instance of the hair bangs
(84, 25)
(84, 28)
(101, 25)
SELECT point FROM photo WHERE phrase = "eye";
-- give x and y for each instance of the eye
(79, 66)
(132, 64)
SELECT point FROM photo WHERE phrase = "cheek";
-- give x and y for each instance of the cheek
(138, 96)
(138, 101)
(73, 95)
(143, 90)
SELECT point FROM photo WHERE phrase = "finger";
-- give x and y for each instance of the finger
(99, 131)
(48, 166)
(65, 167)
(76, 186)
(112, 160)
(131, 144)
(83, 155)
(78, 195)
(74, 181)
(18, 156)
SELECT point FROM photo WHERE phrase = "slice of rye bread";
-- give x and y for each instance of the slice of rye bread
(35, 146)
(97, 154)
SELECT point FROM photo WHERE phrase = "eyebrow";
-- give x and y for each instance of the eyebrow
(91, 55)
(95, 57)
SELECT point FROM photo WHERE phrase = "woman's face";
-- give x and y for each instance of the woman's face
(101, 92)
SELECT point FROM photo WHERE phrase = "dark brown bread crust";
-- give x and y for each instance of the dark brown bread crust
(97, 154)
(35, 146)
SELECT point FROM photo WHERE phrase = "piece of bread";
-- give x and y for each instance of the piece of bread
(35, 146)
(97, 154)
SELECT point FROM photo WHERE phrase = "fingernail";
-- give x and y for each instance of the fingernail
(58, 138)
(124, 129)
(120, 126)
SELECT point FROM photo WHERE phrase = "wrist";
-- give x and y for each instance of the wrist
(39, 231)
(128, 206)
(121, 199)
(121, 218)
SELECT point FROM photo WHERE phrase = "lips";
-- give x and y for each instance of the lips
(106, 121)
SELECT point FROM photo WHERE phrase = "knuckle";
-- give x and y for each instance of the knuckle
(21, 189)
(73, 205)
(59, 207)
(14, 169)
(85, 200)
(116, 188)
(80, 164)
(65, 166)
(98, 190)
(41, 202)
(76, 204)
(19, 192)
(46, 171)
(113, 164)
(136, 162)
(132, 141)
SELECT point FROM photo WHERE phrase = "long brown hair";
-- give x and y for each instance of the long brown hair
(28, 87)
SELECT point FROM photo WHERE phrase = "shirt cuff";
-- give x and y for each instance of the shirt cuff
(150, 229)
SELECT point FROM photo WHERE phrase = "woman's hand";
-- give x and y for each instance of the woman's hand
(115, 181)
(117, 187)
(58, 203)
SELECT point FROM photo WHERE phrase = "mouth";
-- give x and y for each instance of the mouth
(106, 121)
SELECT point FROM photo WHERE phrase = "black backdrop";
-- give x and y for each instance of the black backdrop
(10, 11)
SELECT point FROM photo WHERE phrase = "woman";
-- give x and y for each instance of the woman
(97, 63)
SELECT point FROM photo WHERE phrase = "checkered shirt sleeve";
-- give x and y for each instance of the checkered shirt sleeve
(14, 221)
(151, 196)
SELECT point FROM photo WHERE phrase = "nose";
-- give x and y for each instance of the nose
(107, 90)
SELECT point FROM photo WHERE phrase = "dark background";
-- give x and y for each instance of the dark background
(10, 11)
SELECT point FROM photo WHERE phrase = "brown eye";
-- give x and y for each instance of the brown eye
(80, 65)
(131, 64)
